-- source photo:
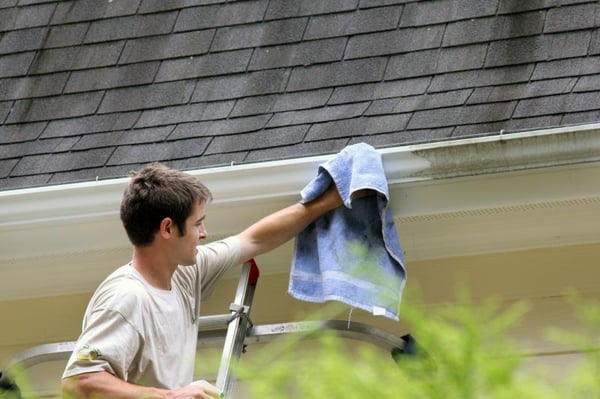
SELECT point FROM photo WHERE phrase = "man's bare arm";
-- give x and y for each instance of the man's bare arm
(101, 385)
(281, 226)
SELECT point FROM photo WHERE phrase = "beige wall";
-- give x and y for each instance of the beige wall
(539, 276)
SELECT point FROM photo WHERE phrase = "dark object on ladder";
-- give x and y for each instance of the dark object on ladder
(8, 388)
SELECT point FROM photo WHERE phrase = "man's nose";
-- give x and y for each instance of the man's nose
(203, 233)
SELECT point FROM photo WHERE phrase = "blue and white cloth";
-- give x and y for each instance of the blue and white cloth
(353, 253)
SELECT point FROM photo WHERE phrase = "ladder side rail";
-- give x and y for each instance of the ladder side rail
(238, 327)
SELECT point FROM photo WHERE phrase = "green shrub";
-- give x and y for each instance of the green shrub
(464, 354)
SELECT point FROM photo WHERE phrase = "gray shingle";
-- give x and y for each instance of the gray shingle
(21, 132)
(403, 137)
(73, 58)
(141, 97)
(90, 124)
(394, 42)
(185, 113)
(31, 16)
(429, 62)
(508, 126)
(461, 58)
(323, 114)
(413, 103)
(87, 10)
(22, 40)
(522, 90)
(370, 91)
(7, 18)
(254, 141)
(158, 151)
(581, 117)
(35, 86)
(24, 181)
(6, 166)
(15, 64)
(352, 23)
(235, 86)
(220, 127)
(585, 101)
(538, 48)
(30, 2)
(166, 46)
(92, 174)
(416, 63)
(5, 108)
(571, 18)
(50, 163)
(452, 116)
(17, 150)
(66, 35)
(8, 3)
(106, 78)
(510, 6)
(130, 27)
(493, 28)
(255, 35)
(205, 161)
(66, 106)
(341, 73)
(205, 65)
(588, 83)
(136, 136)
(379, 3)
(484, 77)
(569, 67)
(293, 8)
(148, 6)
(358, 127)
(281, 102)
(306, 149)
(226, 14)
(432, 12)
(306, 53)
(595, 42)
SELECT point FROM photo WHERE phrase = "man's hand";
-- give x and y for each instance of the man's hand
(196, 390)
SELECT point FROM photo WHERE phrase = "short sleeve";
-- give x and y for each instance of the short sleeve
(108, 343)
(215, 259)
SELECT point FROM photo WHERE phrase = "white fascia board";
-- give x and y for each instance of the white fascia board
(276, 181)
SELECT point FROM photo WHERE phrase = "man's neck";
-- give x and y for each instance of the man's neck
(153, 267)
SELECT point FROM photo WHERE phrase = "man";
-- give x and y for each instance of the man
(139, 330)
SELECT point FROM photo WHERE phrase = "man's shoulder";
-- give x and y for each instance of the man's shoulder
(121, 291)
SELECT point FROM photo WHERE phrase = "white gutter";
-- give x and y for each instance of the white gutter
(79, 202)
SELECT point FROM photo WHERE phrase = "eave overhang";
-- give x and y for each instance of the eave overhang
(495, 193)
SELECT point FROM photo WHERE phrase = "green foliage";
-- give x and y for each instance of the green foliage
(464, 353)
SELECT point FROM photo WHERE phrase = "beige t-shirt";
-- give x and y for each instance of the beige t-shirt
(145, 335)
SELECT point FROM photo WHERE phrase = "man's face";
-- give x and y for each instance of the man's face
(194, 232)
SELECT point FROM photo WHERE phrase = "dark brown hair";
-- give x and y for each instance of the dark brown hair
(156, 192)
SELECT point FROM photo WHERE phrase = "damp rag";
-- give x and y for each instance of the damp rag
(353, 253)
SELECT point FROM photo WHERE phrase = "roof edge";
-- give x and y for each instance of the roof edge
(569, 145)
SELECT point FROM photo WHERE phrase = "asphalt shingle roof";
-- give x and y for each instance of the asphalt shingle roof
(92, 89)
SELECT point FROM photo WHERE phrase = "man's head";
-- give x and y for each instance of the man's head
(156, 192)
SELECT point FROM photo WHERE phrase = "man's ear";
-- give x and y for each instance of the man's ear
(166, 228)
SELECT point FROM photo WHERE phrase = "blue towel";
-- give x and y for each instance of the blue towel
(351, 254)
